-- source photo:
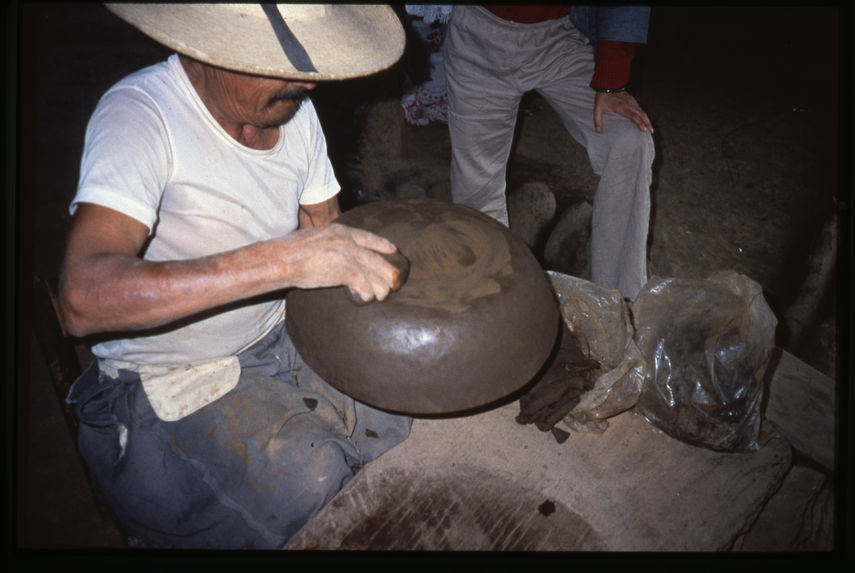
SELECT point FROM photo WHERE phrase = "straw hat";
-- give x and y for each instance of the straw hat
(292, 41)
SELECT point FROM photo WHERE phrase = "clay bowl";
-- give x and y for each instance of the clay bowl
(475, 321)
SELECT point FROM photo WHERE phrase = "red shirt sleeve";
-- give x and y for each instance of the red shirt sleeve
(612, 64)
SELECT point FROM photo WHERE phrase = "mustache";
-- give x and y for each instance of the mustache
(296, 96)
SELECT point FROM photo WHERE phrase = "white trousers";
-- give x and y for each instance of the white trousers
(490, 63)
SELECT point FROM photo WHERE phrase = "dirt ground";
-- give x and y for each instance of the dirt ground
(747, 176)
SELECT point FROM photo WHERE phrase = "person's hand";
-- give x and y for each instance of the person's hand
(621, 103)
(334, 255)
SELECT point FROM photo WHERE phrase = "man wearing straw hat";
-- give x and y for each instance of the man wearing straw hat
(205, 190)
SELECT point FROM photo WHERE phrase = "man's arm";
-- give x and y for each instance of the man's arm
(106, 286)
(618, 29)
(319, 213)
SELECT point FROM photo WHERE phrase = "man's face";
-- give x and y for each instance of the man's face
(255, 100)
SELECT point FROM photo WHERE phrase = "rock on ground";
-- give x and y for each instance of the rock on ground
(566, 249)
(531, 207)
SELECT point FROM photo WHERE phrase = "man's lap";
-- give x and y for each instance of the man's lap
(246, 470)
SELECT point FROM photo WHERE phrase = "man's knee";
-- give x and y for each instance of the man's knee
(627, 140)
(325, 471)
(622, 149)
(293, 487)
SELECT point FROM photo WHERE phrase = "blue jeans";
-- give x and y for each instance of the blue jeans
(245, 471)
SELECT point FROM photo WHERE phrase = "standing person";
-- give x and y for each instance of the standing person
(578, 58)
(205, 192)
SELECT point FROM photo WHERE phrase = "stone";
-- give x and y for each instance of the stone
(380, 145)
(531, 207)
(441, 191)
(567, 247)
(408, 190)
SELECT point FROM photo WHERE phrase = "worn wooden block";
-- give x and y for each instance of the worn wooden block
(485, 482)
(799, 517)
(801, 406)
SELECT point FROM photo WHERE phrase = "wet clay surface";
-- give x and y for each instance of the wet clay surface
(456, 256)
(440, 344)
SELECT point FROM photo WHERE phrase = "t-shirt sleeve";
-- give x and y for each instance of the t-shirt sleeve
(321, 183)
(126, 158)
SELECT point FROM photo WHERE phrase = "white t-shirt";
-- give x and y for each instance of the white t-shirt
(154, 152)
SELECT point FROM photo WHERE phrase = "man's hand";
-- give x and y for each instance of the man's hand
(621, 103)
(359, 268)
(334, 254)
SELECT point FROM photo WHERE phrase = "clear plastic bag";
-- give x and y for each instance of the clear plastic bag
(598, 319)
(706, 345)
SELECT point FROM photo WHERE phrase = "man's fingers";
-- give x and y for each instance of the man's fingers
(368, 289)
(369, 266)
(648, 125)
(384, 267)
(355, 297)
(623, 104)
(642, 122)
(374, 276)
(363, 286)
(402, 266)
(371, 241)
(639, 117)
(382, 274)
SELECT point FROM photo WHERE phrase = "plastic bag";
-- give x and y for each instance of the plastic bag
(706, 345)
(599, 320)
